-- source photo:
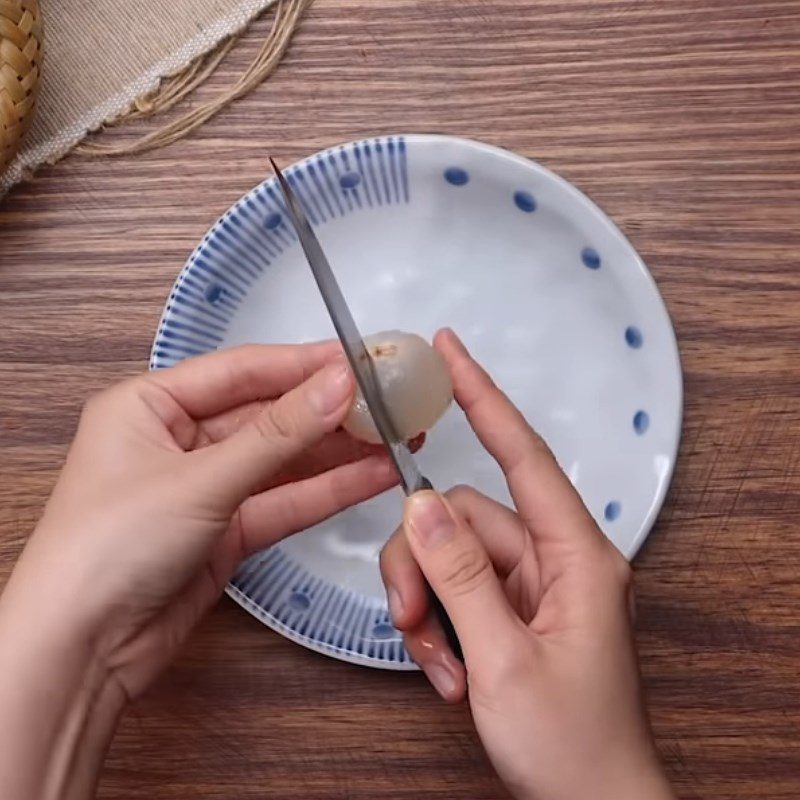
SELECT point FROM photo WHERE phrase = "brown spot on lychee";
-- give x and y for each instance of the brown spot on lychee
(384, 350)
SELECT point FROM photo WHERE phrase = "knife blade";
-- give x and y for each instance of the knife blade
(356, 352)
(411, 478)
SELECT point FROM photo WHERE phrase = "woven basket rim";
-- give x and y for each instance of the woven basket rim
(21, 50)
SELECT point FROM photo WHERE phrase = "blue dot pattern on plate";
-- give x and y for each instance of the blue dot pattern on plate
(383, 630)
(456, 176)
(298, 601)
(612, 511)
(213, 292)
(525, 201)
(349, 180)
(633, 336)
(590, 258)
(272, 221)
(641, 422)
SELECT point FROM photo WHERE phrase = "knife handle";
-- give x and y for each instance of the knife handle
(438, 609)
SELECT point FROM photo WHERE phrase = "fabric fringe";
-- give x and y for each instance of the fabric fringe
(288, 14)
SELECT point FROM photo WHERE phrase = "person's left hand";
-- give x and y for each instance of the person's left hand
(173, 478)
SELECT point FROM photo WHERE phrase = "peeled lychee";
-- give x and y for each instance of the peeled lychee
(414, 381)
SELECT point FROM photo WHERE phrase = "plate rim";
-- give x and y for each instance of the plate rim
(584, 201)
(332, 651)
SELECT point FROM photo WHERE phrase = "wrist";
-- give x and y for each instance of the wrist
(82, 743)
(59, 705)
(632, 779)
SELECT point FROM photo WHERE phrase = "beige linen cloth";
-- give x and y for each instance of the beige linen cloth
(100, 55)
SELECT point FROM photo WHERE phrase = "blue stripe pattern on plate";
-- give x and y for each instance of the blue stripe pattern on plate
(315, 612)
(248, 238)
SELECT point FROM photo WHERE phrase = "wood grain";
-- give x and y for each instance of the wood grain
(681, 120)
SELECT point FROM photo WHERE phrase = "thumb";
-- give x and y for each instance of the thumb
(459, 571)
(284, 429)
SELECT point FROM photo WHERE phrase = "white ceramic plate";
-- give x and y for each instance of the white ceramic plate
(423, 232)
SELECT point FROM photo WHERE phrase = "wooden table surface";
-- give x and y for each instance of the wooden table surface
(681, 120)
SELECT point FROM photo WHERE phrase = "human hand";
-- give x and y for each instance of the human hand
(172, 479)
(540, 600)
(177, 475)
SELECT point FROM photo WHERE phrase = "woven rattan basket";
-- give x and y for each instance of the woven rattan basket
(20, 62)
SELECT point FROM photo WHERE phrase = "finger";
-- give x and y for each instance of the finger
(284, 429)
(510, 550)
(550, 506)
(428, 647)
(459, 570)
(500, 529)
(335, 449)
(272, 515)
(224, 379)
(406, 588)
(501, 532)
(409, 605)
(408, 596)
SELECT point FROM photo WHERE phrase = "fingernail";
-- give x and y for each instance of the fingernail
(331, 388)
(395, 604)
(429, 519)
(441, 678)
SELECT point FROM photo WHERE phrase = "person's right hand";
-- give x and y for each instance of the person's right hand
(540, 600)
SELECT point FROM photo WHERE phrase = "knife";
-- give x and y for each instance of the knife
(411, 478)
